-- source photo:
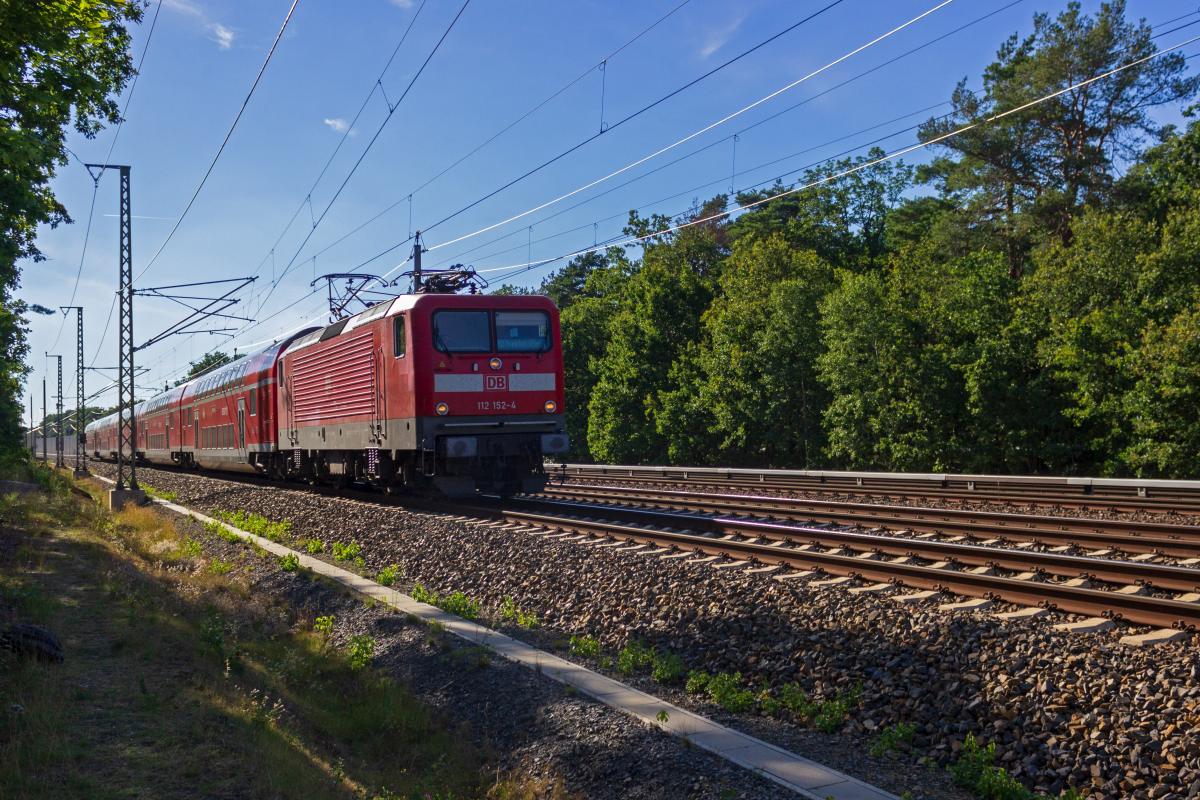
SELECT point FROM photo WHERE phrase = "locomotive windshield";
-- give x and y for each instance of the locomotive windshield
(522, 332)
(471, 331)
(462, 331)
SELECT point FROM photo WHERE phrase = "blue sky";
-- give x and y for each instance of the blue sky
(499, 61)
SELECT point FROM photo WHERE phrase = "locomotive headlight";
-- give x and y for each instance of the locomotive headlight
(550, 406)
(442, 409)
(495, 363)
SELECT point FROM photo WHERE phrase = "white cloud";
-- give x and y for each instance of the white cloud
(221, 35)
(405, 4)
(337, 124)
(717, 39)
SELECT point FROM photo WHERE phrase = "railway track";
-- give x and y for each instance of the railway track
(956, 567)
(965, 490)
(863, 556)
(1171, 539)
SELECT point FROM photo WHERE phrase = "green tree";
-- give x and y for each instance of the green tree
(657, 317)
(762, 341)
(1036, 169)
(60, 64)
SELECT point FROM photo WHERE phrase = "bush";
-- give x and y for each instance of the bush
(668, 668)
(633, 657)
(360, 652)
(388, 575)
(346, 551)
(584, 646)
(726, 690)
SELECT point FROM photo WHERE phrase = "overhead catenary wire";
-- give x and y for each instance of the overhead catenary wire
(683, 140)
(391, 111)
(634, 115)
(228, 135)
(764, 120)
(375, 86)
(892, 155)
(530, 112)
(861, 166)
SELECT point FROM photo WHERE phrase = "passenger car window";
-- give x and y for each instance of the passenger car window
(462, 331)
(398, 337)
(522, 332)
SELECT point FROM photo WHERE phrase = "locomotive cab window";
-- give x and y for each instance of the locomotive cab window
(398, 337)
(522, 332)
(462, 331)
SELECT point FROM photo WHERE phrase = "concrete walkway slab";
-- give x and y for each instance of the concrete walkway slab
(804, 776)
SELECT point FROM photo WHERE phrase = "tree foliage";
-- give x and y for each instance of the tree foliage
(61, 64)
(1015, 306)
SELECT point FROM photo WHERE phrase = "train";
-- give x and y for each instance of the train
(450, 394)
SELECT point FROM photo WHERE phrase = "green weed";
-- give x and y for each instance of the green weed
(388, 575)
(314, 546)
(893, 738)
(346, 551)
(289, 562)
(668, 668)
(455, 602)
(219, 567)
(509, 612)
(584, 646)
(217, 529)
(323, 626)
(725, 690)
(633, 657)
(697, 682)
(360, 651)
(190, 548)
(257, 524)
(161, 494)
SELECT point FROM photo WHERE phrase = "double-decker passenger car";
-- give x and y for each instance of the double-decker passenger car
(457, 393)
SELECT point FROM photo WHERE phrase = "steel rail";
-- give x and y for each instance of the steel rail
(1147, 610)
(1138, 537)
(1122, 503)
(1165, 576)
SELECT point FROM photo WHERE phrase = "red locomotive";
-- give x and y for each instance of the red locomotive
(456, 393)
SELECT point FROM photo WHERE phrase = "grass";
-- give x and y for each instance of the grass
(275, 531)
(893, 739)
(181, 683)
(161, 494)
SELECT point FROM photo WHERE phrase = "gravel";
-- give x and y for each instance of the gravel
(530, 725)
(1063, 709)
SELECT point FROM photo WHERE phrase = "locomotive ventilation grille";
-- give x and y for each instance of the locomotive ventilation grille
(335, 382)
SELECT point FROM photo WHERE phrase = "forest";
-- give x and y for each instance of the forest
(1026, 301)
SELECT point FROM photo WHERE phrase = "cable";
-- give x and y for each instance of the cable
(678, 142)
(756, 124)
(866, 164)
(307, 199)
(479, 147)
(496, 136)
(228, 135)
(637, 113)
(363, 155)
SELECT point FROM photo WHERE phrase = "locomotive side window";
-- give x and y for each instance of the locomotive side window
(399, 342)
(462, 331)
(522, 332)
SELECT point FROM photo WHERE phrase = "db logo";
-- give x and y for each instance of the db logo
(495, 383)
